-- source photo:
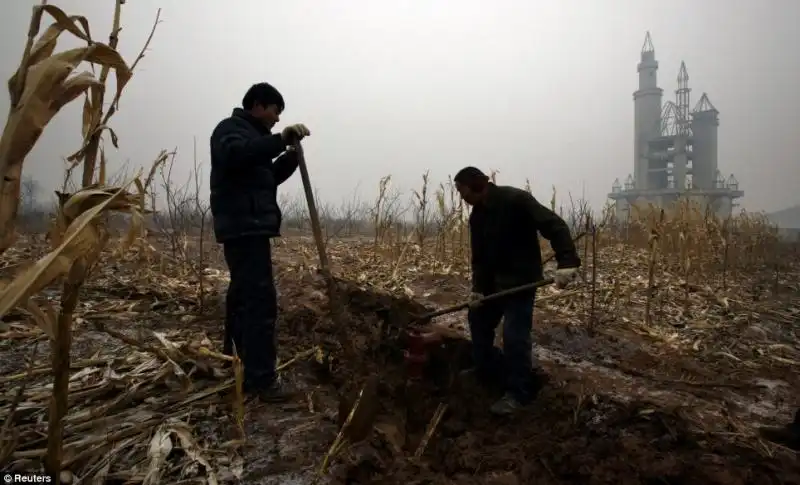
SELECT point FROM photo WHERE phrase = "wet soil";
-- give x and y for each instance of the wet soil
(615, 410)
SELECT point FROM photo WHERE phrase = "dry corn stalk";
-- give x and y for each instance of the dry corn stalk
(39, 89)
(422, 216)
(655, 234)
(75, 252)
(84, 236)
(432, 425)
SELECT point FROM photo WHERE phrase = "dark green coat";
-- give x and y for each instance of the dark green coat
(505, 244)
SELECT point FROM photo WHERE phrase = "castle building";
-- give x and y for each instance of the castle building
(675, 148)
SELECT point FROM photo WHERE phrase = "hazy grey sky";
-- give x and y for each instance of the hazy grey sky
(538, 89)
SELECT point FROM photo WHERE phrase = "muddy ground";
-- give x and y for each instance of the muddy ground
(617, 409)
(619, 406)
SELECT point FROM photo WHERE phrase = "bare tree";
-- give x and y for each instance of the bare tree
(186, 221)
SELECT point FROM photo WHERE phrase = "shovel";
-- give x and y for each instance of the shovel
(423, 319)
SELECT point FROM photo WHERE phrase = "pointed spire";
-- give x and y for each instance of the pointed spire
(629, 183)
(704, 105)
(683, 74)
(648, 43)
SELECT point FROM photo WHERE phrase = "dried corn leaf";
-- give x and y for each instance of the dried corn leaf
(45, 318)
(136, 230)
(160, 448)
(88, 116)
(57, 229)
(192, 449)
(48, 89)
(101, 476)
(83, 237)
(82, 201)
(46, 44)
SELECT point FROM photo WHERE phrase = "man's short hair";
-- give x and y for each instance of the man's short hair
(471, 177)
(264, 94)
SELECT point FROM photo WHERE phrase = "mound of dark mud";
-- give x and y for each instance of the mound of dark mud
(567, 436)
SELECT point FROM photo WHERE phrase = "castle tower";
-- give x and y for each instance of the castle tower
(705, 123)
(681, 164)
(647, 112)
(675, 149)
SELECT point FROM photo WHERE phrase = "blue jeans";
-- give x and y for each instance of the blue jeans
(513, 366)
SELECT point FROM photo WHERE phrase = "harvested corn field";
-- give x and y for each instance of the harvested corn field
(677, 400)
(659, 365)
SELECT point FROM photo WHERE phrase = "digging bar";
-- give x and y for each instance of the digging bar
(324, 268)
(316, 227)
(511, 291)
(362, 413)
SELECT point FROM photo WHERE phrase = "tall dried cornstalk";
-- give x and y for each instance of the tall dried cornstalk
(450, 239)
(684, 254)
(422, 216)
(377, 210)
(39, 89)
(655, 234)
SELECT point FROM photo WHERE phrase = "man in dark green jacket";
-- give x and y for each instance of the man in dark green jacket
(504, 226)
(248, 162)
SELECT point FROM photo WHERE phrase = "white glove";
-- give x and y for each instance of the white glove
(295, 132)
(564, 276)
(474, 298)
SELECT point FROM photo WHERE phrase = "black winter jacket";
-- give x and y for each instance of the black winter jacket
(505, 243)
(244, 178)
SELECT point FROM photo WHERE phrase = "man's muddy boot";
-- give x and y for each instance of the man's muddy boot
(279, 391)
(788, 435)
(506, 406)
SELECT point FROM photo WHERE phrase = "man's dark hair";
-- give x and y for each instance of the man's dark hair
(473, 178)
(264, 94)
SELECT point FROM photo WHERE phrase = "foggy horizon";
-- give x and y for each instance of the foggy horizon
(539, 91)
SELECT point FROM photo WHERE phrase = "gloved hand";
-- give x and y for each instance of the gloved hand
(296, 132)
(474, 299)
(564, 276)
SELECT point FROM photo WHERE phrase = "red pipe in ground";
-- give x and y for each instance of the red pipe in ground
(419, 345)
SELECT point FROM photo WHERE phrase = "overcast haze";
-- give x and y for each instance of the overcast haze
(535, 89)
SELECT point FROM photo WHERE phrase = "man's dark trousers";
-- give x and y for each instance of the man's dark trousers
(251, 308)
(513, 367)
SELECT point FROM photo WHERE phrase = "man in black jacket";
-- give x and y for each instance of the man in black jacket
(504, 227)
(248, 163)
